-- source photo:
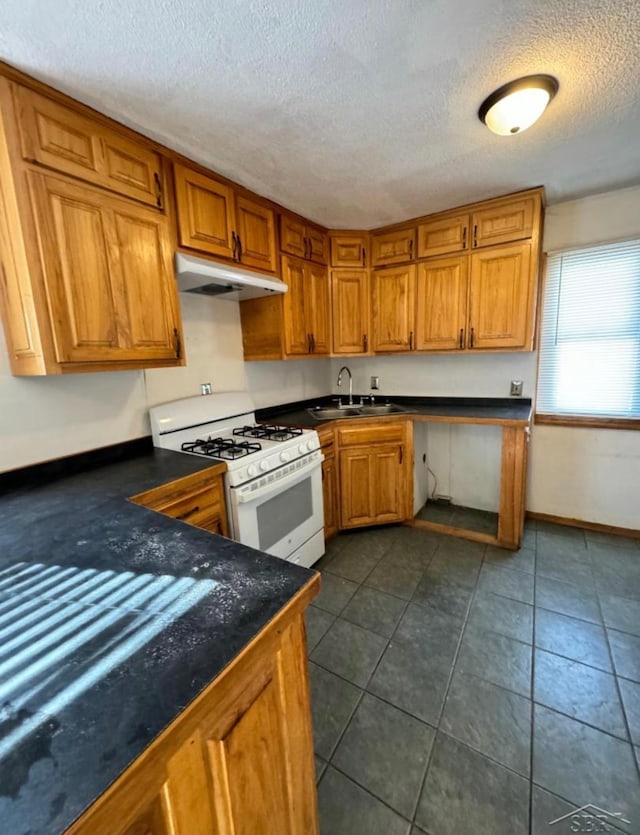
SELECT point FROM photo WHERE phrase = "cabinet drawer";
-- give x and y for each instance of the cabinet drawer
(60, 138)
(194, 507)
(381, 433)
(207, 485)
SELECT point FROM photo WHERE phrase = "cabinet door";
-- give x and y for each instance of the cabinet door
(206, 213)
(393, 309)
(65, 140)
(355, 488)
(297, 336)
(257, 234)
(317, 245)
(505, 222)
(150, 318)
(501, 297)
(317, 308)
(350, 311)
(442, 304)
(108, 272)
(393, 247)
(348, 251)
(292, 236)
(329, 496)
(442, 236)
(387, 483)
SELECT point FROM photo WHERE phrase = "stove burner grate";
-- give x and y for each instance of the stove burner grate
(268, 432)
(221, 448)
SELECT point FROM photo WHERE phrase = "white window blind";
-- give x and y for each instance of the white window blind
(590, 336)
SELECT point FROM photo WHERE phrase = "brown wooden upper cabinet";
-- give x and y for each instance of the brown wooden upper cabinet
(88, 281)
(213, 218)
(395, 247)
(109, 274)
(306, 308)
(60, 138)
(303, 240)
(350, 311)
(441, 308)
(503, 222)
(443, 235)
(394, 309)
(502, 290)
(479, 302)
(348, 250)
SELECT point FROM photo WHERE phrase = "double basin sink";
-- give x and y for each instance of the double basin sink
(354, 411)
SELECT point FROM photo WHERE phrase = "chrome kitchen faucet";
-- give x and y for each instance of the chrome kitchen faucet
(339, 382)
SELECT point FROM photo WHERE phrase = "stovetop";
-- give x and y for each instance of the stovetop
(222, 427)
(231, 448)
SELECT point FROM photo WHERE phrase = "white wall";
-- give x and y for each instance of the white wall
(49, 417)
(272, 383)
(589, 474)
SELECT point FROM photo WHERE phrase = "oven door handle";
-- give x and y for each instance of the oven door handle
(276, 485)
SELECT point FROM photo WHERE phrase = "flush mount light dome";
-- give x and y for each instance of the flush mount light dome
(515, 106)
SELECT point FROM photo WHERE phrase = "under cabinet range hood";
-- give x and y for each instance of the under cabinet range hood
(200, 275)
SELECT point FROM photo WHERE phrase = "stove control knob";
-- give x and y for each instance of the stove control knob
(252, 470)
(264, 466)
(302, 449)
(312, 444)
(284, 456)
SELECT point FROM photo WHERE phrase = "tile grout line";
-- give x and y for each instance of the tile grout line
(448, 687)
(617, 685)
(533, 679)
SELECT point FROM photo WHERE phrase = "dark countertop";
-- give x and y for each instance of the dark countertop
(496, 410)
(136, 613)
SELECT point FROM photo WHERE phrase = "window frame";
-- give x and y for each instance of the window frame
(569, 419)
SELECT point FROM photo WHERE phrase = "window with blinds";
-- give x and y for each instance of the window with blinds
(589, 361)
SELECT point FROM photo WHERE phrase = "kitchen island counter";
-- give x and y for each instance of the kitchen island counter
(114, 618)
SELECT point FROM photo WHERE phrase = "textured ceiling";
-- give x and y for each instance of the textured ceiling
(353, 112)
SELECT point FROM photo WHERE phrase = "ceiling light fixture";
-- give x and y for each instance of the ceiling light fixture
(515, 106)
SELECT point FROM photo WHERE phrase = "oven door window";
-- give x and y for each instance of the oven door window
(283, 513)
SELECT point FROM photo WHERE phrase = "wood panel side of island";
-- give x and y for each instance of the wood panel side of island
(238, 760)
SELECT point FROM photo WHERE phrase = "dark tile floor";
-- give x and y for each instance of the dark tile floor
(459, 688)
(460, 517)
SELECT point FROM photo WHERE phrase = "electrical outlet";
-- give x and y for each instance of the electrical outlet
(516, 388)
(375, 382)
(205, 388)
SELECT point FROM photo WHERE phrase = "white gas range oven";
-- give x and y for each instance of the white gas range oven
(273, 483)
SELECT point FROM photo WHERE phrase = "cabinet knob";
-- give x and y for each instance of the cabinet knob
(475, 234)
(411, 340)
(178, 343)
(234, 243)
(365, 343)
(461, 343)
(471, 338)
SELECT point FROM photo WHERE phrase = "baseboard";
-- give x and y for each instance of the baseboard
(581, 523)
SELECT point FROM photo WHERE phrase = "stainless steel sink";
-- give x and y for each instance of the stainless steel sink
(382, 409)
(340, 412)
(333, 412)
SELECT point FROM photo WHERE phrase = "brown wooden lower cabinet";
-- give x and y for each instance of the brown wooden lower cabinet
(197, 499)
(376, 473)
(329, 481)
(238, 760)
